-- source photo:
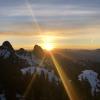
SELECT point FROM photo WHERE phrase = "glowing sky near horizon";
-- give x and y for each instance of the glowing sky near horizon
(71, 23)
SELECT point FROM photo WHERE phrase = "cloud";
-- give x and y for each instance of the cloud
(62, 19)
(48, 10)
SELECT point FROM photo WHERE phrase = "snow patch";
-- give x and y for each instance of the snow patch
(51, 74)
(92, 78)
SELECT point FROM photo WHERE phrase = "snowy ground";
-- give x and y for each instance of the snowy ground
(92, 78)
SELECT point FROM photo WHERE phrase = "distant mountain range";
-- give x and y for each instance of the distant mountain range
(18, 67)
(27, 60)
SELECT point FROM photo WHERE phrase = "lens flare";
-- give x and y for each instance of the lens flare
(34, 21)
(48, 42)
(68, 86)
(65, 80)
(28, 88)
(48, 46)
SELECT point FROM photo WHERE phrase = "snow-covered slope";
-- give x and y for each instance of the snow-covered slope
(51, 75)
(31, 59)
(92, 78)
(4, 53)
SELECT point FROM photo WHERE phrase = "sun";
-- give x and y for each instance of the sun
(48, 46)
(48, 42)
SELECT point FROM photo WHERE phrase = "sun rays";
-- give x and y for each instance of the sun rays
(65, 80)
(48, 45)
(34, 20)
(70, 89)
(28, 88)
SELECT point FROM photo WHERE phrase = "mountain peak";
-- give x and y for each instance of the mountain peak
(8, 46)
(38, 51)
(6, 50)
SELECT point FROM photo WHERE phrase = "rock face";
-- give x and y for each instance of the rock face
(38, 51)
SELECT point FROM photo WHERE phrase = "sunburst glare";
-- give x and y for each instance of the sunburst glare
(48, 42)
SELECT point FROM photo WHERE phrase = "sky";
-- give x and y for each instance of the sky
(61, 23)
